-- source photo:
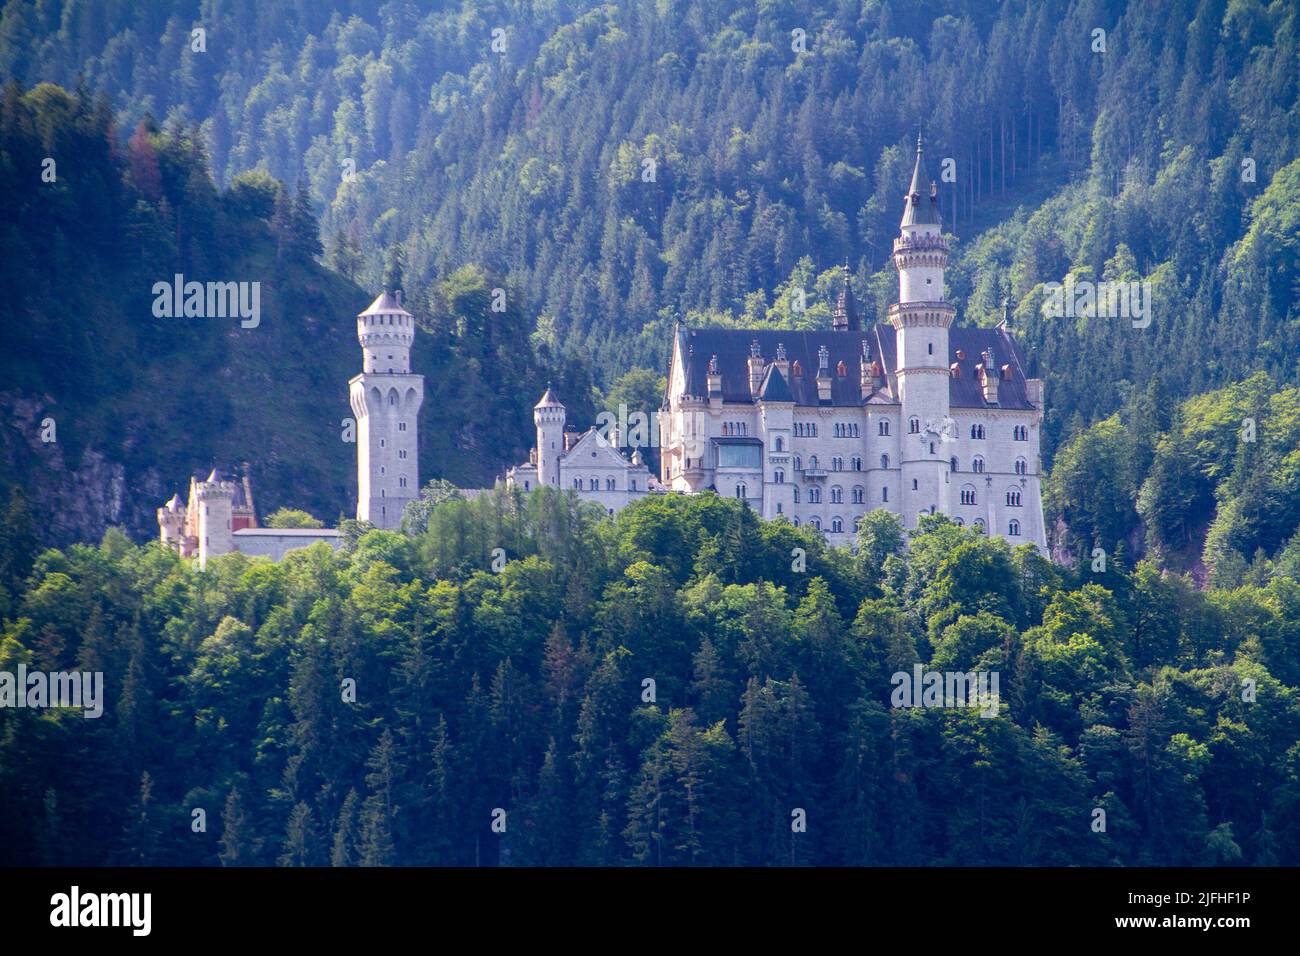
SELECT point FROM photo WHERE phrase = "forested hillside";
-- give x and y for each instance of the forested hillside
(110, 408)
(611, 164)
(526, 691)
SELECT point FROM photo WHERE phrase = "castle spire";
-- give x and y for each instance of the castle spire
(845, 316)
(918, 209)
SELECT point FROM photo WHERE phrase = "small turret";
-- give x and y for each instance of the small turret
(755, 368)
(845, 316)
(549, 416)
(823, 376)
(171, 523)
(216, 535)
(989, 376)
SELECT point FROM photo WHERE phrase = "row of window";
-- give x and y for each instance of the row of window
(735, 428)
(850, 430)
(968, 496)
(837, 525)
(593, 484)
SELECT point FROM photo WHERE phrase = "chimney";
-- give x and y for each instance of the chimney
(755, 368)
(715, 382)
(866, 381)
(989, 377)
(782, 363)
(824, 376)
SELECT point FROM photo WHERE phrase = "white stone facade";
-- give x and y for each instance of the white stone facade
(821, 427)
(587, 463)
(386, 400)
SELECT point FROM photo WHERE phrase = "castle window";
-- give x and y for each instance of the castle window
(780, 443)
(401, 481)
(593, 485)
(392, 396)
(401, 453)
(632, 484)
(1013, 529)
(526, 486)
(884, 461)
(609, 484)
(952, 463)
(979, 525)
(382, 471)
(812, 463)
(914, 485)
(968, 495)
(401, 426)
(837, 525)
(798, 463)
(815, 522)
(740, 491)
(796, 521)
(837, 464)
(1013, 498)
(577, 483)
(859, 495)
(977, 431)
(977, 465)
(1021, 467)
(1021, 433)
(814, 496)
(857, 463)
(929, 349)
(778, 476)
(914, 426)
(884, 493)
(796, 496)
(381, 443)
(779, 509)
(884, 426)
(837, 496)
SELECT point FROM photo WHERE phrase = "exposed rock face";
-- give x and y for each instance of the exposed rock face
(75, 492)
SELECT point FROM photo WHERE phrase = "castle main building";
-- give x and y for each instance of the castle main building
(914, 416)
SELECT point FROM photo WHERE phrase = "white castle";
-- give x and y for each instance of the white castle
(818, 427)
(821, 427)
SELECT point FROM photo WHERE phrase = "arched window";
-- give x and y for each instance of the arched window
(952, 463)
(1020, 433)
(884, 461)
(1013, 528)
(961, 523)
(609, 484)
(778, 476)
(968, 494)
(979, 525)
(816, 522)
(884, 426)
(740, 491)
(859, 495)
(977, 431)
(1013, 498)
(837, 526)
(884, 493)
(837, 496)
(914, 485)
(814, 496)
(914, 426)
(812, 463)
(1022, 468)
(977, 465)
(795, 521)
(577, 483)
(798, 463)
(796, 494)
(837, 464)
(780, 443)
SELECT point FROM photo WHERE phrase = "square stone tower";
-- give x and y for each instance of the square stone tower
(386, 400)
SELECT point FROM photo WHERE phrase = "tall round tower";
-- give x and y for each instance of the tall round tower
(216, 536)
(386, 400)
(921, 319)
(548, 416)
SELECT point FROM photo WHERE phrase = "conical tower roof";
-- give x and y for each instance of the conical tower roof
(920, 209)
(385, 304)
